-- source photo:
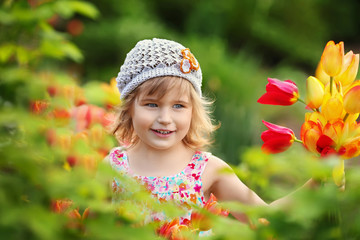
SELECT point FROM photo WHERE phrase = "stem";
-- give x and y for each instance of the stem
(331, 84)
(297, 140)
(345, 117)
(300, 100)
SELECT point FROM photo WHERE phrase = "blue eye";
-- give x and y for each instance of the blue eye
(178, 106)
(151, 105)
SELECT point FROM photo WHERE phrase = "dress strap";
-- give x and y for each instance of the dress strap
(118, 159)
(199, 162)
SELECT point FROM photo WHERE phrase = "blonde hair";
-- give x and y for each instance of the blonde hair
(201, 128)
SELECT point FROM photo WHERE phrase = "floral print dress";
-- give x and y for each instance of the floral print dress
(184, 187)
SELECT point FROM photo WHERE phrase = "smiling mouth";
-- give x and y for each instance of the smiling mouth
(164, 132)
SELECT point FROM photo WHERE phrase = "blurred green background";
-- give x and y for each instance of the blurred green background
(239, 44)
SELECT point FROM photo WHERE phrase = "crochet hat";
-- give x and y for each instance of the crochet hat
(155, 58)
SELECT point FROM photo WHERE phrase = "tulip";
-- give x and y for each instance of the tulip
(202, 221)
(280, 93)
(334, 130)
(349, 69)
(316, 117)
(172, 230)
(277, 138)
(314, 92)
(321, 75)
(310, 134)
(332, 58)
(350, 139)
(352, 99)
(325, 146)
(332, 107)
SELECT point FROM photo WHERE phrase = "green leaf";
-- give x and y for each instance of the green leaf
(72, 51)
(6, 51)
(68, 8)
(84, 8)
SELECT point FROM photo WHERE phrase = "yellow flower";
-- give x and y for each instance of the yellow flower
(321, 74)
(332, 58)
(332, 107)
(112, 93)
(352, 99)
(349, 69)
(314, 92)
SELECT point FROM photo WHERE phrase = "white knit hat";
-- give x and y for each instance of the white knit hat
(155, 58)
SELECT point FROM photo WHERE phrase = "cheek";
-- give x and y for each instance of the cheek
(186, 120)
(141, 120)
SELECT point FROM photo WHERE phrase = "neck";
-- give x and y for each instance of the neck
(150, 153)
(145, 160)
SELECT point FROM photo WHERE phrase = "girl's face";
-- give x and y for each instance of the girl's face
(162, 123)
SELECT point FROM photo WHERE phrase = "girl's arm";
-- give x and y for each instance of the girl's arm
(219, 179)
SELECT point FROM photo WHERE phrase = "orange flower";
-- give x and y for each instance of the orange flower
(38, 106)
(310, 133)
(60, 206)
(332, 58)
(201, 220)
(336, 137)
(172, 230)
(188, 62)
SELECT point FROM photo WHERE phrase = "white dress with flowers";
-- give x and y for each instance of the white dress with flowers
(184, 188)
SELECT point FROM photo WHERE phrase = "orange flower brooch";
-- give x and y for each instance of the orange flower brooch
(188, 62)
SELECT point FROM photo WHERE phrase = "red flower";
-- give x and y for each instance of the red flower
(326, 146)
(172, 230)
(201, 220)
(38, 106)
(276, 139)
(280, 93)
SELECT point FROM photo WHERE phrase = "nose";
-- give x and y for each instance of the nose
(164, 116)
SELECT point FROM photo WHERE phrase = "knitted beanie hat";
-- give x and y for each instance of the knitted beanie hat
(155, 58)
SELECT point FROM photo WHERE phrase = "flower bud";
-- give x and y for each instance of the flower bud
(332, 58)
(280, 93)
(314, 92)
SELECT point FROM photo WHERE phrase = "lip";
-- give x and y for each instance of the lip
(162, 132)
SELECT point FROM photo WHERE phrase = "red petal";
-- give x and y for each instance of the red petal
(325, 141)
(276, 145)
(277, 128)
(269, 135)
(287, 86)
(276, 98)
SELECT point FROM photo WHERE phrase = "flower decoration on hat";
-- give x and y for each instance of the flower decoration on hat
(188, 62)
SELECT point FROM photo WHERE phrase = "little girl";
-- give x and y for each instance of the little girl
(164, 126)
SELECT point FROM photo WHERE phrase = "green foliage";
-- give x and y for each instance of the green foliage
(38, 57)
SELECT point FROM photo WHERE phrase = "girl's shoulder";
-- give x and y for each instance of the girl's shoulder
(216, 167)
